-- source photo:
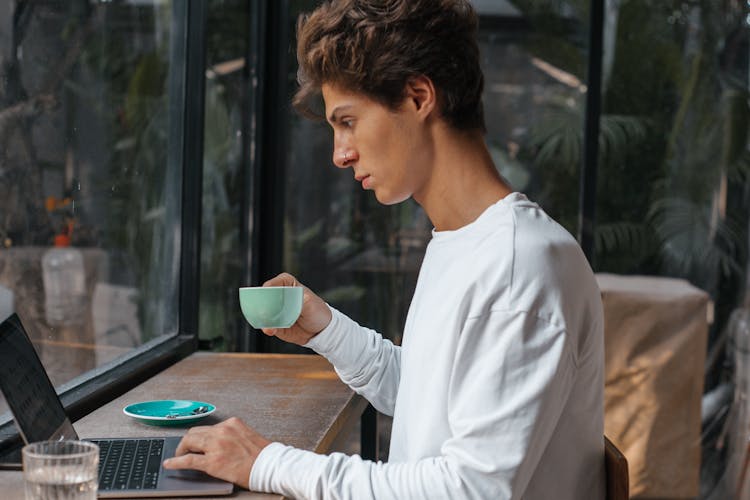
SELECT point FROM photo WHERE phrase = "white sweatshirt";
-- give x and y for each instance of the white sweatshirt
(497, 389)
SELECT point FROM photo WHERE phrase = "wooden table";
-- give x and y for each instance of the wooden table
(294, 399)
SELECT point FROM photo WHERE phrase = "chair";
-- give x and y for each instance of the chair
(616, 467)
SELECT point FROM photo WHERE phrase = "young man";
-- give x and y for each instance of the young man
(497, 389)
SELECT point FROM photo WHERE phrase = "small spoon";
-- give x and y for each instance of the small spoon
(196, 411)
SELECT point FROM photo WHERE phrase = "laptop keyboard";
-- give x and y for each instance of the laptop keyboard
(129, 464)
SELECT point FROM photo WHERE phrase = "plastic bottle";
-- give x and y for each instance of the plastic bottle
(64, 284)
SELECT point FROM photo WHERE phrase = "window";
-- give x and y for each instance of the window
(226, 174)
(363, 257)
(95, 160)
(673, 192)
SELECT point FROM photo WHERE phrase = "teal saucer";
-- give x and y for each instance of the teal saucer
(169, 411)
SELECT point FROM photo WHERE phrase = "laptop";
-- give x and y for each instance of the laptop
(128, 467)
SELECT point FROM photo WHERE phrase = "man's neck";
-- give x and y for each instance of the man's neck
(463, 182)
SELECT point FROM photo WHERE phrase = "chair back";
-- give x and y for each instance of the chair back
(616, 467)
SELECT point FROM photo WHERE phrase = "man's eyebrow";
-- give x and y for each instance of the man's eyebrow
(333, 117)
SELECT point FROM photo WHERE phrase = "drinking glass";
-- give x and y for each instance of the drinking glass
(61, 470)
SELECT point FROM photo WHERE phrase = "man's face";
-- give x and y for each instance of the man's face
(384, 148)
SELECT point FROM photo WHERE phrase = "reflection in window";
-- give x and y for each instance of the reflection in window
(89, 200)
(673, 198)
(223, 176)
(534, 58)
(363, 257)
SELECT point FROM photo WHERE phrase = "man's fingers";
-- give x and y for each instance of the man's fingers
(283, 279)
(189, 461)
(227, 450)
(193, 441)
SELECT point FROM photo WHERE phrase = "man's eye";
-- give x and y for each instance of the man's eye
(347, 123)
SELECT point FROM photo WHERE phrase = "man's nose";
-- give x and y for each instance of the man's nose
(344, 157)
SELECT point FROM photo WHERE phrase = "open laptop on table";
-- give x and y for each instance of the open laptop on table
(128, 467)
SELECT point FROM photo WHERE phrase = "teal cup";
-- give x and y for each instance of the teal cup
(271, 306)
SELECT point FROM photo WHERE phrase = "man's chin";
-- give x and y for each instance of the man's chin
(389, 198)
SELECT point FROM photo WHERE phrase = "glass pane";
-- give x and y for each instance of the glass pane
(673, 202)
(360, 256)
(364, 257)
(223, 177)
(89, 194)
(534, 59)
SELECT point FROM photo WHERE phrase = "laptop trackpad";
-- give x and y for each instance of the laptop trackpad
(187, 474)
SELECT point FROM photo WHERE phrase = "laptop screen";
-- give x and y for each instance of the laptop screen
(27, 389)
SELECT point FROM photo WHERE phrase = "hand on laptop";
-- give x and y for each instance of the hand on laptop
(314, 318)
(226, 450)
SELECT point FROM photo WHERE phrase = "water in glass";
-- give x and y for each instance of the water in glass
(61, 483)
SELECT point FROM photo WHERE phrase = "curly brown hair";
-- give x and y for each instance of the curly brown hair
(376, 46)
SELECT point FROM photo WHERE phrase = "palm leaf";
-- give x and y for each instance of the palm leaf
(693, 241)
(619, 134)
(558, 139)
(622, 237)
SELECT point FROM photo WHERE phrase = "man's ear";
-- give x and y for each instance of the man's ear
(422, 95)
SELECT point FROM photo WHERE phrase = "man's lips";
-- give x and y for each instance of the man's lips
(364, 179)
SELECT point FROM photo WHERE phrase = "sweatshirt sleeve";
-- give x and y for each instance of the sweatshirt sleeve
(511, 377)
(362, 358)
